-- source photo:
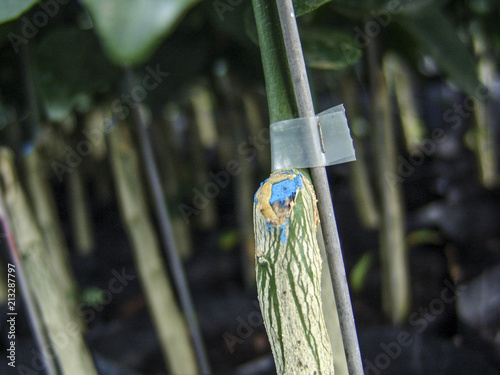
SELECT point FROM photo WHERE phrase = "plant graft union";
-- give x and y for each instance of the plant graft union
(288, 267)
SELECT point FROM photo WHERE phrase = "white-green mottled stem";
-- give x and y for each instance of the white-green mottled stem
(288, 267)
(320, 180)
(45, 209)
(73, 356)
(170, 325)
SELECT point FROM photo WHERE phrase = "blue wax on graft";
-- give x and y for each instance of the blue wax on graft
(284, 190)
(283, 232)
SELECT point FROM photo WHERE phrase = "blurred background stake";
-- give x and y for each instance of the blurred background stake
(35, 319)
(80, 213)
(364, 195)
(169, 323)
(74, 357)
(45, 209)
(202, 137)
(393, 250)
(320, 180)
(400, 81)
(484, 119)
(166, 234)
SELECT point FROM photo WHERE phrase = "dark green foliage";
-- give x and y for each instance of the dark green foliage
(70, 69)
(131, 30)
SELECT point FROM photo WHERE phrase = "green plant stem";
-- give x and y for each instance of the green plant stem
(320, 180)
(166, 233)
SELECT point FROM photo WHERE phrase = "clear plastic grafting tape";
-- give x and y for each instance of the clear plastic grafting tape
(308, 142)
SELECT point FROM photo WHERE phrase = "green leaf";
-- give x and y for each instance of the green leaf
(424, 237)
(229, 240)
(131, 29)
(328, 49)
(386, 9)
(360, 271)
(305, 6)
(93, 297)
(436, 36)
(12, 9)
(70, 68)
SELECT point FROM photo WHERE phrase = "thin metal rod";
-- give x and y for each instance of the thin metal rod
(167, 237)
(320, 180)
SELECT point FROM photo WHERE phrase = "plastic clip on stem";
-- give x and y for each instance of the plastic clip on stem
(320, 180)
(308, 142)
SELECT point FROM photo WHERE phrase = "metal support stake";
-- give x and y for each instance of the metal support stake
(320, 180)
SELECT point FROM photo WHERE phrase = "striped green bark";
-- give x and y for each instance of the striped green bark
(168, 319)
(45, 210)
(288, 267)
(62, 327)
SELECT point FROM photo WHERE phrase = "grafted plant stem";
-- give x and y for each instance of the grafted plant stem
(321, 185)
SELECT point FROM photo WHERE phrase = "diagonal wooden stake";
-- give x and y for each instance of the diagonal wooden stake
(320, 180)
